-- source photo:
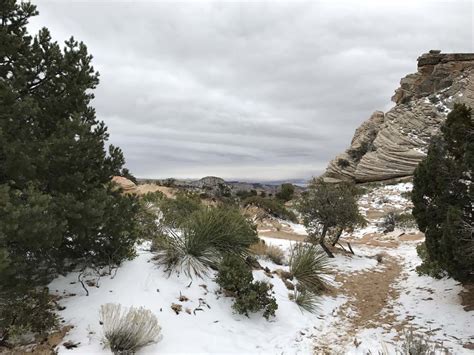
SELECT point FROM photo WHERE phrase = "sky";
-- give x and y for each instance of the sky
(249, 90)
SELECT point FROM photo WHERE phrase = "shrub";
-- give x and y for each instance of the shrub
(306, 300)
(407, 195)
(273, 207)
(276, 254)
(207, 235)
(419, 344)
(428, 266)
(272, 252)
(286, 192)
(256, 297)
(128, 330)
(235, 276)
(243, 194)
(394, 220)
(32, 311)
(343, 163)
(388, 222)
(176, 211)
(309, 265)
(154, 197)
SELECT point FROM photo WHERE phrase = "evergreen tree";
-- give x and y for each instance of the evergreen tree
(325, 207)
(442, 195)
(286, 192)
(57, 207)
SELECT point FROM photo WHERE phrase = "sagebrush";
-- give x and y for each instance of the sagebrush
(127, 330)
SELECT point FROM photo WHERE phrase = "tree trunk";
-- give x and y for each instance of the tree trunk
(338, 235)
(321, 242)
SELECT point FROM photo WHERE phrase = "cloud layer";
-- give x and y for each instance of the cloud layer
(249, 90)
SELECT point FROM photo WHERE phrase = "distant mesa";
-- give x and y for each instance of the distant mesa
(390, 145)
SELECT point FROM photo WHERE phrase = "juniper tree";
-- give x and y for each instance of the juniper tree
(442, 195)
(57, 207)
(327, 206)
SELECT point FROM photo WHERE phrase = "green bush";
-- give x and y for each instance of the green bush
(255, 298)
(286, 192)
(204, 238)
(154, 197)
(176, 211)
(20, 313)
(394, 220)
(442, 195)
(271, 206)
(243, 194)
(343, 163)
(428, 266)
(235, 276)
(128, 330)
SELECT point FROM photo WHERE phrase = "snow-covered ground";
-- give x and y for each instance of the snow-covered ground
(207, 323)
(213, 329)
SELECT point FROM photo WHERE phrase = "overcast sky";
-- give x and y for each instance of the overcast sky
(249, 90)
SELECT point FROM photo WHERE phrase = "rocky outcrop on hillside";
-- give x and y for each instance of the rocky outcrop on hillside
(390, 145)
(125, 184)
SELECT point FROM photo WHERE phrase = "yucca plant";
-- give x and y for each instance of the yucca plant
(127, 330)
(309, 264)
(204, 238)
(306, 300)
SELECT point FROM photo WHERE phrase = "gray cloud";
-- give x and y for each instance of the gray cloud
(249, 90)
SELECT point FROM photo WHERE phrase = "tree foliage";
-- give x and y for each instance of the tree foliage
(329, 207)
(286, 192)
(442, 195)
(57, 207)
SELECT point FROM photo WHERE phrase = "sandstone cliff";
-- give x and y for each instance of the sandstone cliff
(390, 145)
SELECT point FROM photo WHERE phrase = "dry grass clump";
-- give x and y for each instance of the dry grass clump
(127, 330)
(272, 252)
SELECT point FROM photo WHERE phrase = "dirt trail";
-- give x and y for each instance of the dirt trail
(369, 305)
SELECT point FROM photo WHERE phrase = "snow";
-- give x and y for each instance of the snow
(428, 305)
(214, 330)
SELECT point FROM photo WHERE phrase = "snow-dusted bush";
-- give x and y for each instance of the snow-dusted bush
(235, 277)
(419, 344)
(309, 264)
(394, 220)
(127, 330)
(203, 239)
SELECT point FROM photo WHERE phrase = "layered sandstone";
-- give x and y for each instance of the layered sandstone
(391, 145)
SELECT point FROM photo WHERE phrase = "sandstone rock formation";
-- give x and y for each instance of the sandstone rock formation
(125, 184)
(391, 145)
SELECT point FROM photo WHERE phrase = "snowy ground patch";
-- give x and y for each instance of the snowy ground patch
(211, 326)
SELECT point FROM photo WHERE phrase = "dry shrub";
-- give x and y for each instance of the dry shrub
(259, 248)
(272, 252)
(127, 330)
(275, 254)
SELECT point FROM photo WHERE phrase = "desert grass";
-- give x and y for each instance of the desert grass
(127, 330)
